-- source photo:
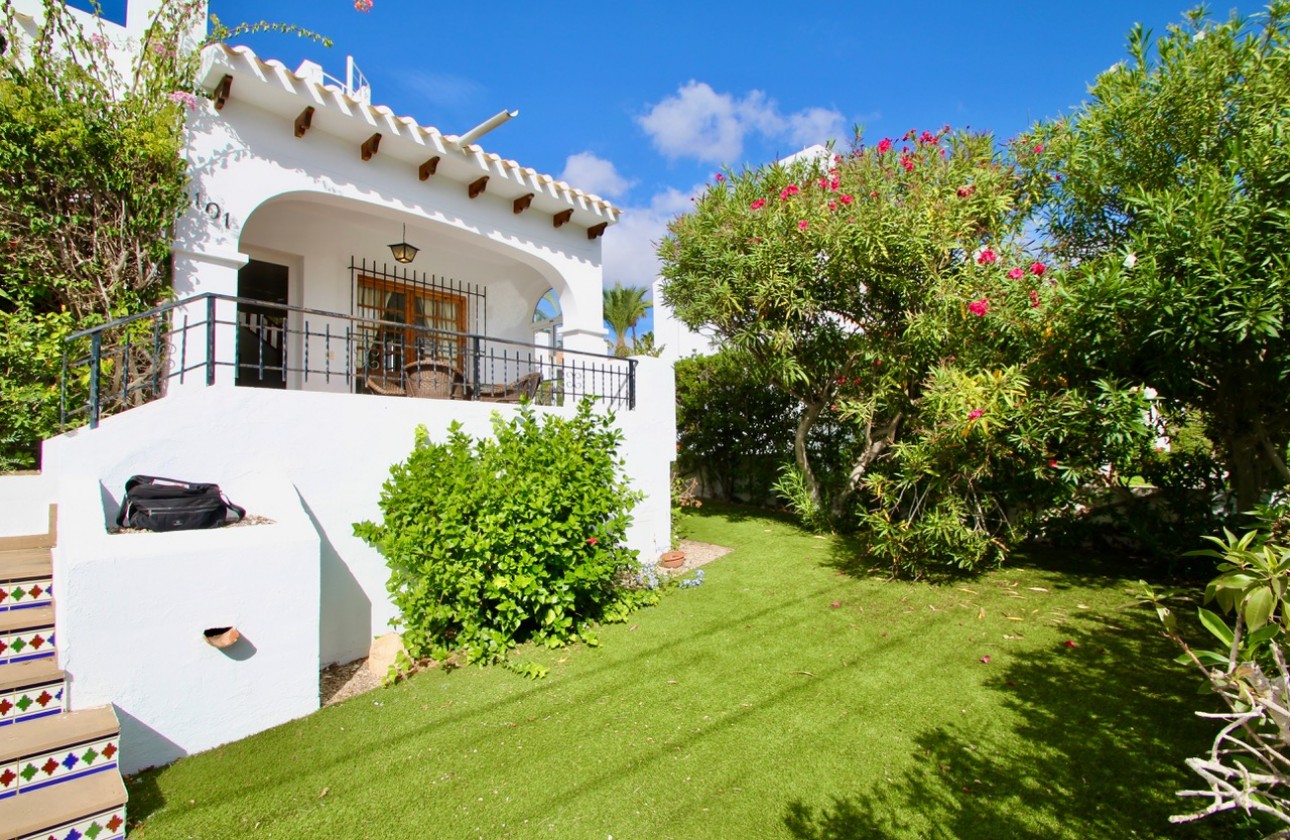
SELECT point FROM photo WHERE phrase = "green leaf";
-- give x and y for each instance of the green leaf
(1258, 607)
(1216, 626)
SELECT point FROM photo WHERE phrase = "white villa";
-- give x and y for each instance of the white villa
(292, 369)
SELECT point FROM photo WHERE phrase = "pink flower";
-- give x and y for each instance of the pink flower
(183, 97)
(884, 145)
(1038, 269)
(979, 307)
(1071, 643)
(590, 540)
(721, 179)
(927, 137)
(1034, 300)
(835, 183)
(985, 660)
(803, 224)
(1016, 274)
(986, 257)
(845, 199)
(98, 40)
(975, 413)
(362, 5)
(907, 162)
(758, 204)
(966, 191)
(791, 189)
(1039, 150)
(836, 604)
(833, 205)
(1053, 464)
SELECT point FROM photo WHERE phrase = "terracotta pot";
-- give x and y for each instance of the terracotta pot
(222, 637)
(672, 559)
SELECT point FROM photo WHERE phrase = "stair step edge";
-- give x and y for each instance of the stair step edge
(84, 799)
(58, 732)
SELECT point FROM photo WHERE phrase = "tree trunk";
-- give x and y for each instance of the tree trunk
(804, 424)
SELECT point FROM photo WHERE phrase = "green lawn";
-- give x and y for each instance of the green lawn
(782, 698)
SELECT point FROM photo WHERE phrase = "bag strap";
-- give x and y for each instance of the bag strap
(240, 511)
(136, 480)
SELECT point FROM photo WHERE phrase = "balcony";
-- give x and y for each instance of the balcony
(214, 339)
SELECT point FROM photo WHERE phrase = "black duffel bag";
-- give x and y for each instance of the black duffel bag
(165, 504)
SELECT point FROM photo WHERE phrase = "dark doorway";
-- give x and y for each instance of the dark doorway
(261, 330)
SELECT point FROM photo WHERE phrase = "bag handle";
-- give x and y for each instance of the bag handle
(135, 480)
(240, 511)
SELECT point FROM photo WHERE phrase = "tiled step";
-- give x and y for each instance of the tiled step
(26, 578)
(92, 806)
(57, 749)
(30, 690)
(26, 634)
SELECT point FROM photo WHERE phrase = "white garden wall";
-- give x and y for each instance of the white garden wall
(132, 609)
(336, 450)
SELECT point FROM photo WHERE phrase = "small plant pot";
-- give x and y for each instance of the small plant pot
(672, 559)
(221, 637)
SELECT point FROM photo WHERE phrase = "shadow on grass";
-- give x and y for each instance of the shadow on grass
(1096, 750)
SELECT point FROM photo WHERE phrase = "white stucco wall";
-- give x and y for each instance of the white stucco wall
(336, 450)
(25, 500)
(131, 610)
(677, 340)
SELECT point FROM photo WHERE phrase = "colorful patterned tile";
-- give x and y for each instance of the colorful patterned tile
(109, 825)
(31, 702)
(67, 763)
(20, 594)
(33, 643)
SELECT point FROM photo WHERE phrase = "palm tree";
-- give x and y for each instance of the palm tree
(624, 307)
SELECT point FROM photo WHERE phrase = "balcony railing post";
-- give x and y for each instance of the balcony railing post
(474, 367)
(631, 384)
(96, 348)
(210, 340)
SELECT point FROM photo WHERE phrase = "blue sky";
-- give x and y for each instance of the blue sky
(643, 102)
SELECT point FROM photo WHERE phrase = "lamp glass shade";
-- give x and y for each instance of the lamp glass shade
(403, 252)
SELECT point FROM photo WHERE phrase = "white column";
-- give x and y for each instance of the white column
(193, 329)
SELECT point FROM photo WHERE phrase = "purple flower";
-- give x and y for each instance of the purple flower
(183, 97)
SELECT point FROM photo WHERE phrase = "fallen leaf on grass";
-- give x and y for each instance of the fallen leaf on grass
(1036, 589)
(985, 660)
(804, 673)
(836, 604)
(1070, 643)
(965, 589)
(324, 792)
(1014, 618)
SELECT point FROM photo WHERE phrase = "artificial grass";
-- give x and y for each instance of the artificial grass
(789, 696)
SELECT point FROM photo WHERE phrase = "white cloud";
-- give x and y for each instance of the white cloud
(594, 175)
(700, 123)
(816, 125)
(629, 246)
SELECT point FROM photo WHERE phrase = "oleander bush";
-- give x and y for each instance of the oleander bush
(519, 537)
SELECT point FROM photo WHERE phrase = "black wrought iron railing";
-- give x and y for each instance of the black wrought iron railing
(214, 338)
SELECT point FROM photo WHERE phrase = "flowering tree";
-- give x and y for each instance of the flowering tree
(885, 287)
(93, 181)
(1170, 188)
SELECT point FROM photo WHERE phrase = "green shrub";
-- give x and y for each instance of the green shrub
(515, 538)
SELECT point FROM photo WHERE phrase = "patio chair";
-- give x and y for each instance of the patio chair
(384, 387)
(434, 379)
(512, 392)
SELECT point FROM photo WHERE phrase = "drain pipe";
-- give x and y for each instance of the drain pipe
(486, 126)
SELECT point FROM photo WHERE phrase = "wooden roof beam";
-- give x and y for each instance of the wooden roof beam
(522, 203)
(428, 168)
(304, 121)
(370, 146)
(477, 187)
(562, 218)
(222, 91)
(597, 231)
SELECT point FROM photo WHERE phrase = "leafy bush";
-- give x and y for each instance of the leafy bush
(734, 427)
(1246, 768)
(502, 540)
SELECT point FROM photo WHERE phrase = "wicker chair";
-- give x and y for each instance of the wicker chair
(384, 387)
(512, 392)
(434, 379)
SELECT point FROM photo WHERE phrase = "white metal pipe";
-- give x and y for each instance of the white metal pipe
(485, 127)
